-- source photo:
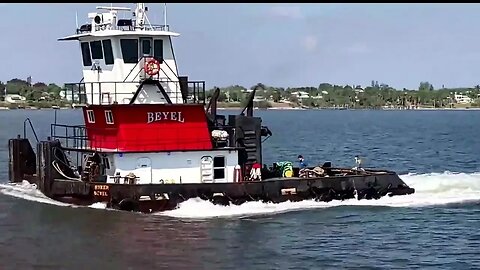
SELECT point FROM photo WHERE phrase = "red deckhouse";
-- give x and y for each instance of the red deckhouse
(147, 127)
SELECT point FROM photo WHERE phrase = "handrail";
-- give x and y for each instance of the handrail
(94, 90)
(120, 82)
(68, 126)
(131, 28)
(162, 27)
(31, 126)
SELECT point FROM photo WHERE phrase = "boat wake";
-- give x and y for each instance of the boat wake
(430, 189)
(29, 192)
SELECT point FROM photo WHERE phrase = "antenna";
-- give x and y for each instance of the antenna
(165, 15)
(114, 8)
(76, 18)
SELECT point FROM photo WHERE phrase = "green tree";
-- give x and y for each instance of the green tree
(18, 86)
(293, 99)
(276, 96)
(54, 90)
(425, 86)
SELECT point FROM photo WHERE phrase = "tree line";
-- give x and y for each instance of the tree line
(374, 96)
(324, 95)
(38, 94)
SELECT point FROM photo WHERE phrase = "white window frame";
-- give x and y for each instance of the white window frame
(109, 112)
(206, 169)
(90, 116)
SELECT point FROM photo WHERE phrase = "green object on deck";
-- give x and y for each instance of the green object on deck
(285, 168)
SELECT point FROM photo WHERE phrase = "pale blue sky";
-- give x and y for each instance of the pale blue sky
(277, 44)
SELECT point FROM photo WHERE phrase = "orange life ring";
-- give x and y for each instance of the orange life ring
(152, 67)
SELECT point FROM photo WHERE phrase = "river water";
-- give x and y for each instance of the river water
(435, 152)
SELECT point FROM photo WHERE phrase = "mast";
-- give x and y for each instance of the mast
(140, 16)
(165, 15)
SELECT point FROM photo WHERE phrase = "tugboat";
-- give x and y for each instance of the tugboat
(150, 141)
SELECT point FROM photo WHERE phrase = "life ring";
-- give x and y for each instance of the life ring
(152, 67)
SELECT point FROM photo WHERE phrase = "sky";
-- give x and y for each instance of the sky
(283, 45)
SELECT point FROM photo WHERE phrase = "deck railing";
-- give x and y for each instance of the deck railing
(122, 92)
(130, 26)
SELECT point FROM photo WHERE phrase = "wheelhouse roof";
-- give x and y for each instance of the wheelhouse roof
(113, 33)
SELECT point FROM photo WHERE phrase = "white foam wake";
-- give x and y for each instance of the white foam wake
(430, 189)
(29, 192)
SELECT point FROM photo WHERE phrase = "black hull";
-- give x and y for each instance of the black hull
(161, 197)
(147, 198)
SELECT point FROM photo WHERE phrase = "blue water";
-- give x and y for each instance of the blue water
(436, 152)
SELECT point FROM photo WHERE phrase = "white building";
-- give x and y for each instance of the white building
(13, 98)
(300, 94)
(316, 97)
(462, 99)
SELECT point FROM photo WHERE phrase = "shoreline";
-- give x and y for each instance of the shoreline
(356, 109)
(280, 108)
(37, 108)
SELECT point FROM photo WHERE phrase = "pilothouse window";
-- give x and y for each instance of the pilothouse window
(87, 59)
(129, 50)
(158, 49)
(107, 50)
(146, 47)
(97, 52)
(108, 117)
(90, 116)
